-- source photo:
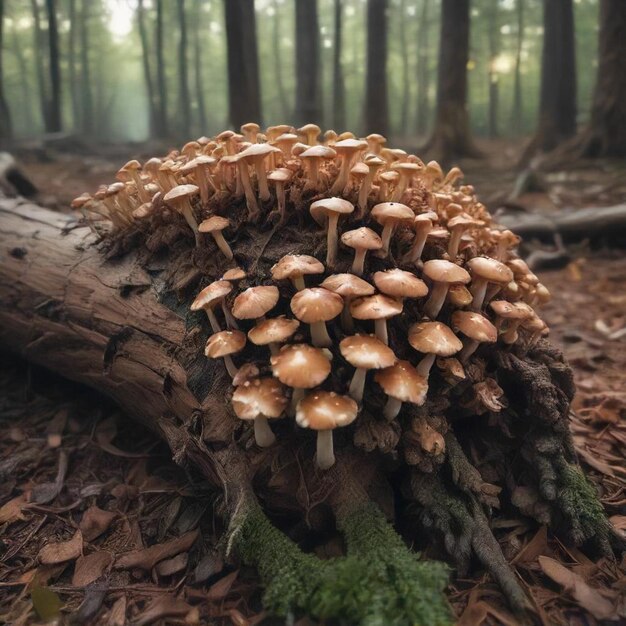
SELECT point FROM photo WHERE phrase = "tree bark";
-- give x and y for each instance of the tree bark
(517, 121)
(184, 95)
(38, 45)
(376, 116)
(423, 55)
(244, 89)
(197, 69)
(404, 111)
(87, 117)
(55, 123)
(339, 89)
(492, 76)
(162, 124)
(147, 70)
(72, 64)
(308, 86)
(6, 128)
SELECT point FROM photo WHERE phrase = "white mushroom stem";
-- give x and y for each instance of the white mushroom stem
(331, 238)
(364, 192)
(298, 282)
(455, 240)
(423, 367)
(215, 325)
(320, 336)
(231, 368)
(244, 176)
(358, 265)
(478, 289)
(202, 178)
(325, 452)
(400, 187)
(261, 177)
(347, 323)
(280, 201)
(222, 244)
(231, 322)
(437, 297)
(386, 237)
(392, 408)
(191, 220)
(357, 384)
(469, 347)
(380, 330)
(263, 434)
(510, 334)
(141, 190)
(314, 165)
(419, 242)
(344, 173)
(492, 291)
(296, 396)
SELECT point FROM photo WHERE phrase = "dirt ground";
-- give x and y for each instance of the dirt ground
(81, 484)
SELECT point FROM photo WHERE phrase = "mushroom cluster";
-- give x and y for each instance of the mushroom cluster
(404, 280)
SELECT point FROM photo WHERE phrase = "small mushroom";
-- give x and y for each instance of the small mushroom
(458, 225)
(215, 225)
(387, 180)
(285, 143)
(327, 211)
(422, 225)
(260, 399)
(477, 328)
(402, 383)
(347, 149)
(234, 274)
(432, 339)
(250, 131)
(379, 308)
(375, 143)
(313, 157)
(272, 332)
(295, 267)
(486, 270)
(361, 240)
(255, 302)
(179, 198)
(365, 352)
(316, 306)
(406, 172)
(443, 274)
(505, 240)
(223, 345)
(132, 170)
(400, 284)
(280, 178)
(459, 295)
(209, 298)
(390, 215)
(255, 155)
(310, 132)
(431, 174)
(373, 164)
(324, 411)
(513, 313)
(348, 287)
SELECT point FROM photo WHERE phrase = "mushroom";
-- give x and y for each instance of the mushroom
(131, 170)
(234, 274)
(348, 287)
(514, 313)
(505, 240)
(280, 178)
(432, 339)
(400, 284)
(443, 274)
(302, 367)
(311, 133)
(313, 157)
(375, 143)
(387, 179)
(285, 143)
(459, 295)
(223, 344)
(477, 328)
(347, 149)
(255, 302)
(260, 399)
(200, 167)
(324, 411)
(390, 215)
(373, 164)
(295, 267)
(430, 174)
(379, 308)
(255, 155)
(422, 225)
(250, 131)
(402, 383)
(271, 332)
(365, 352)
(190, 150)
(327, 211)
(215, 225)
(209, 298)
(452, 176)
(406, 172)
(458, 225)
(359, 173)
(316, 306)
(361, 240)
(486, 270)
(247, 372)
(273, 132)
(179, 198)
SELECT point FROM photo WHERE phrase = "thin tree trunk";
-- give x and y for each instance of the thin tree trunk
(244, 89)
(494, 50)
(308, 85)
(26, 108)
(162, 130)
(406, 91)
(86, 87)
(423, 76)
(71, 62)
(376, 116)
(6, 127)
(40, 67)
(517, 121)
(278, 62)
(55, 123)
(147, 70)
(339, 89)
(184, 94)
(197, 70)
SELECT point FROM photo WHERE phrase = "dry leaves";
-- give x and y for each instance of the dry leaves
(95, 521)
(149, 557)
(12, 511)
(160, 607)
(62, 551)
(90, 567)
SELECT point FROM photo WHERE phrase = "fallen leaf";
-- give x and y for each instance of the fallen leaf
(12, 510)
(173, 565)
(209, 566)
(46, 603)
(46, 492)
(117, 614)
(162, 606)
(220, 589)
(95, 521)
(62, 551)
(149, 557)
(587, 597)
(536, 546)
(90, 567)
(619, 524)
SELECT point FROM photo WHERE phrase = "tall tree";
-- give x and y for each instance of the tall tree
(161, 125)
(26, 108)
(55, 123)
(557, 105)
(147, 70)
(244, 89)
(376, 116)
(87, 116)
(38, 45)
(339, 89)
(308, 85)
(197, 68)
(406, 91)
(184, 95)
(277, 32)
(517, 122)
(72, 63)
(423, 75)
(6, 128)
(493, 25)
(606, 133)
(451, 136)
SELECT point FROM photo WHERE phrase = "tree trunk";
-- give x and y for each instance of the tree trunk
(88, 125)
(606, 134)
(6, 128)
(451, 138)
(27, 105)
(277, 33)
(376, 116)
(147, 70)
(184, 109)
(38, 45)
(339, 89)
(162, 130)
(517, 121)
(494, 50)
(72, 65)
(55, 123)
(557, 106)
(244, 89)
(406, 91)
(308, 108)
(423, 76)
(197, 70)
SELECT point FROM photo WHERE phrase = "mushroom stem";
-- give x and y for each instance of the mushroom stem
(364, 193)
(222, 244)
(296, 396)
(423, 367)
(244, 177)
(510, 334)
(469, 347)
(314, 164)
(263, 434)
(261, 176)
(231, 368)
(191, 220)
(357, 384)
(325, 452)
(298, 283)
(417, 248)
(392, 408)
(215, 325)
(455, 240)
(280, 201)
(320, 336)
(478, 289)
(274, 348)
(331, 239)
(358, 264)
(435, 301)
(386, 237)
(380, 330)
(347, 323)
(231, 322)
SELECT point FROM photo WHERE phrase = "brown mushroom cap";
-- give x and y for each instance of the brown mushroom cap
(362, 239)
(211, 295)
(280, 175)
(214, 224)
(295, 266)
(234, 274)
(511, 310)
(320, 209)
(401, 381)
(400, 284)
(392, 212)
(434, 338)
(224, 343)
(275, 330)
(475, 326)
(442, 271)
(459, 295)
(490, 269)
(348, 285)
(318, 152)
(255, 302)
(260, 397)
(300, 366)
(325, 410)
(316, 305)
(376, 307)
(179, 192)
(366, 352)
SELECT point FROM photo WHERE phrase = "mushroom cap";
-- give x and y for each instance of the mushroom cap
(325, 410)
(348, 285)
(214, 224)
(434, 338)
(401, 381)
(320, 152)
(280, 175)
(256, 151)
(180, 192)
(350, 145)
(392, 212)
(320, 209)
(316, 305)
(133, 164)
(367, 352)
(308, 128)
(300, 366)
(460, 295)
(376, 307)
(490, 269)
(406, 168)
(250, 126)
(234, 273)
(275, 330)
(442, 271)
(296, 265)
(439, 233)
(255, 302)
(400, 284)
(359, 170)
(258, 397)
(463, 219)
(475, 326)
(224, 343)
(511, 310)
(390, 176)
(423, 220)
(362, 238)
(246, 372)
(373, 161)
(143, 210)
(211, 295)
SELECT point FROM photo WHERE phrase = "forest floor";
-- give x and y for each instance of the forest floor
(75, 472)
